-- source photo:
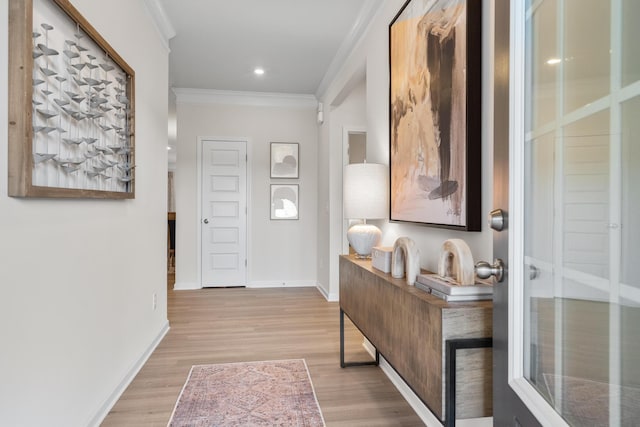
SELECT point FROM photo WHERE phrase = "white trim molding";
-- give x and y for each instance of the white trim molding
(330, 297)
(255, 99)
(422, 411)
(161, 20)
(186, 286)
(113, 398)
(257, 284)
(365, 16)
(412, 399)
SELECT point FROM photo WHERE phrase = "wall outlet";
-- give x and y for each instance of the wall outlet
(155, 301)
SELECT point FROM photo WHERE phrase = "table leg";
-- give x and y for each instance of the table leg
(452, 346)
(344, 364)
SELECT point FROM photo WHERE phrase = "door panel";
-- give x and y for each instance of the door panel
(572, 303)
(224, 213)
(508, 409)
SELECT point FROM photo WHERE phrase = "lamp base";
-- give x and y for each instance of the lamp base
(362, 238)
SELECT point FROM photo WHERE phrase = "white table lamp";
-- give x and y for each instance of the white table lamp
(365, 196)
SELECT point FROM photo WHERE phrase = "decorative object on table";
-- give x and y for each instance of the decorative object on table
(381, 258)
(284, 201)
(365, 196)
(456, 279)
(285, 160)
(274, 393)
(71, 106)
(435, 100)
(405, 260)
(456, 262)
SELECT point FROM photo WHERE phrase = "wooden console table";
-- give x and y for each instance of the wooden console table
(411, 328)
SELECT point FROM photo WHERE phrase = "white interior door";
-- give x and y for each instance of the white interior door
(224, 213)
(574, 293)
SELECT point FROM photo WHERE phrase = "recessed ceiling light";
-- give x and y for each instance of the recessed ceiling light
(554, 61)
(169, 148)
(258, 71)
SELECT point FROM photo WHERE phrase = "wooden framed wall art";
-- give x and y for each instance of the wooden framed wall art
(71, 106)
(434, 113)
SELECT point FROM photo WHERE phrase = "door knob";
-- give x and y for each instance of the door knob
(206, 221)
(498, 219)
(484, 270)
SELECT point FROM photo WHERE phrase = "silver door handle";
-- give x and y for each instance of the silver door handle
(206, 221)
(484, 270)
(498, 219)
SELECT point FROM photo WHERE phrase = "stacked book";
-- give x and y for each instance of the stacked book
(447, 289)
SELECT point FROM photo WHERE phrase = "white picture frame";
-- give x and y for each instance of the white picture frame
(285, 160)
(285, 202)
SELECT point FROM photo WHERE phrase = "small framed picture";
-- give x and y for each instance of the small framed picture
(284, 160)
(284, 201)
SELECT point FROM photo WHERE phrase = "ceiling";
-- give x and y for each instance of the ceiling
(218, 43)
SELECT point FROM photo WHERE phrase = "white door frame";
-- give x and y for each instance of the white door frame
(534, 401)
(346, 130)
(199, 143)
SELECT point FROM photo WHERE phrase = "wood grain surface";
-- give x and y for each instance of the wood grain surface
(233, 325)
(409, 327)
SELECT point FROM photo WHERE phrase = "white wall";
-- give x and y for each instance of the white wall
(280, 252)
(77, 276)
(324, 206)
(350, 113)
(372, 53)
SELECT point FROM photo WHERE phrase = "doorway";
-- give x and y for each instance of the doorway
(572, 301)
(354, 143)
(224, 210)
(171, 224)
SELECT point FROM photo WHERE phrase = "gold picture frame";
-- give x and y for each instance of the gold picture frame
(71, 107)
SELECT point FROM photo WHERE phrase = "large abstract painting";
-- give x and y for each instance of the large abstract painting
(435, 140)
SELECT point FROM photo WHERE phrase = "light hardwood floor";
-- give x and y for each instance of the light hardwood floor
(233, 325)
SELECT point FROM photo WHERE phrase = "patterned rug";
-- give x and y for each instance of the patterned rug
(270, 393)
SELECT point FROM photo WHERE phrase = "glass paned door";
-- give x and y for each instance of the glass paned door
(576, 197)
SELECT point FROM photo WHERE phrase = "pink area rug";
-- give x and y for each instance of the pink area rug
(270, 393)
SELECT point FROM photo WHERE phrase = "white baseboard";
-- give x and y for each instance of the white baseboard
(475, 422)
(186, 286)
(329, 297)
(111, 401)
(414, 401)
(333, 298)
(282, 284)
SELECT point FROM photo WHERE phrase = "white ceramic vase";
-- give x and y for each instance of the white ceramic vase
(362, 238)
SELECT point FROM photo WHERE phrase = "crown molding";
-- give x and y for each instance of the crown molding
(161, 20)
(256, 99)
(368, 10)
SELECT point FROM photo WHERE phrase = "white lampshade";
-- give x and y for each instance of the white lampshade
(366, 191)
(366, 195)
